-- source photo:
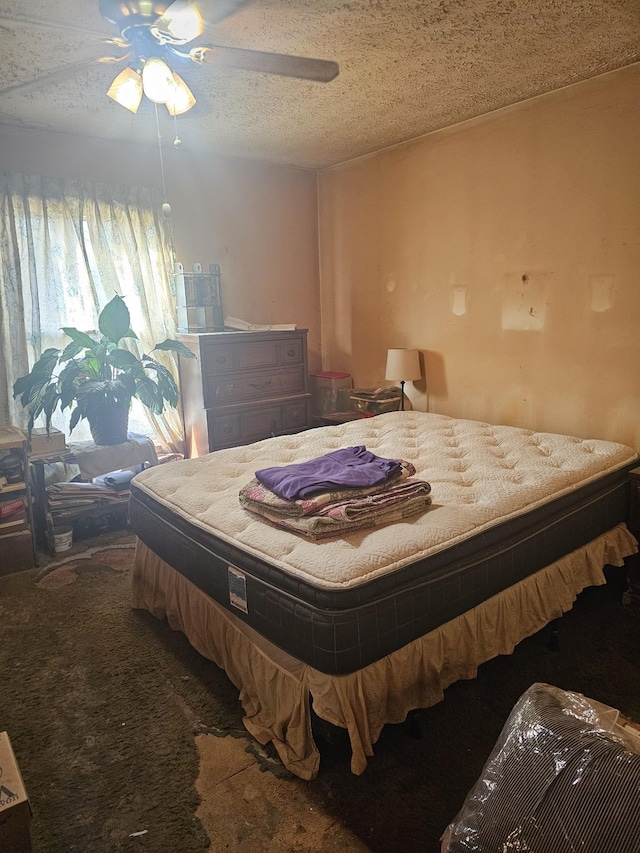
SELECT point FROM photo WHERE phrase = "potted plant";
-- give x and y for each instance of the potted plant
(100, 377)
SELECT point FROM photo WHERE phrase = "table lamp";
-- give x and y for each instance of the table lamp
(403, 365)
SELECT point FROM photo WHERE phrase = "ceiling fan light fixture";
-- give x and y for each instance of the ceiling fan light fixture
(182, 99)
(126, 89)
(157, 80)
(182, 22)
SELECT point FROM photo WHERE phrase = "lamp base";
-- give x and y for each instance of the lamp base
(402, 395)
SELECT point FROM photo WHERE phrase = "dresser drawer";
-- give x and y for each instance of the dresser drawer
(291, 351)
(224, 430)
(226, 357)
(244, 425)
(296, 415)
(256, 385)
(230, 357)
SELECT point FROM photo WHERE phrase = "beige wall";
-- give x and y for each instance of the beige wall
(260, 224)
(258, 221)
(507, 250)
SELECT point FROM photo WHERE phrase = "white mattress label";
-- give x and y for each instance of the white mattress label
(238, 589)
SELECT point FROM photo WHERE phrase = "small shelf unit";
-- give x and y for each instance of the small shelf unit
(17, 545)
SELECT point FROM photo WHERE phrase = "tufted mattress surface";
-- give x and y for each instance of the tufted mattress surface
(505, 502)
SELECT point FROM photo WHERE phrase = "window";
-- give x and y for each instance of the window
(68, 248)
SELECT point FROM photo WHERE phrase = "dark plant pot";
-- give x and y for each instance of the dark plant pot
(110, 426)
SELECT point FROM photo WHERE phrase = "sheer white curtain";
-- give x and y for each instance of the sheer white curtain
(66, 248)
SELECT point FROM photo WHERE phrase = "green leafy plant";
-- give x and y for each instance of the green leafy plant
(98, 375)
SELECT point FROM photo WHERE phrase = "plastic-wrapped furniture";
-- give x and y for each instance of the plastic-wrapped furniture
(564, 776)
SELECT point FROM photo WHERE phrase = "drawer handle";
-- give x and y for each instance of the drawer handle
(291, 352)
(260, 386)
(228, 388)
(228, 429)
(295, 416)
(221, 359)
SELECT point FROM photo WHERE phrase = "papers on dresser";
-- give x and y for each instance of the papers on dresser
(245, 326)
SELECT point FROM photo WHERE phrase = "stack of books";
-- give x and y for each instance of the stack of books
(13, 515)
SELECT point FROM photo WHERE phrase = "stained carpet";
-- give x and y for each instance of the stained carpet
(103, 703)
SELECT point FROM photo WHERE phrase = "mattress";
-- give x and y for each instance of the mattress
(506, 502)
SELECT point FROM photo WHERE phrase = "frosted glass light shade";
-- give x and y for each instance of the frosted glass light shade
(182, 20)
(403, 364)
(157, 80)
(182, 99)
(126, 89)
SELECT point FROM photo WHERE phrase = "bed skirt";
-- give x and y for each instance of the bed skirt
(277, 690)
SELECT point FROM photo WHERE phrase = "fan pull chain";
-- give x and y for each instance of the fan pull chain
(166, 207)
(177, 142)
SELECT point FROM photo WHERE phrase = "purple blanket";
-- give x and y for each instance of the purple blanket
(346, 468)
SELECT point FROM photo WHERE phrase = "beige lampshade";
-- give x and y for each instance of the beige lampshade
(403, 364)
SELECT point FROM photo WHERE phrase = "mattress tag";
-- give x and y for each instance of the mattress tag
(238, 589)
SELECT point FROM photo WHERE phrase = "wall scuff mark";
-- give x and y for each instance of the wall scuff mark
(601, 292)
(524, 301)
(459, 301)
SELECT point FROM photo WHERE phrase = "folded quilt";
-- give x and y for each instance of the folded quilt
(379, 503)
(346, 468)
(254, 494)
(337, 519)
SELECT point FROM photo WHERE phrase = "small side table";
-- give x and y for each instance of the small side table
(631, 597)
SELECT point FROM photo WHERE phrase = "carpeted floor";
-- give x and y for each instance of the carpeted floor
(103, 705)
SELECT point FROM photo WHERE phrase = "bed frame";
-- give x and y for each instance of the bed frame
(520, 523)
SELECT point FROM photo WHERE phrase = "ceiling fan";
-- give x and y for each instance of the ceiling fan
(159, 35)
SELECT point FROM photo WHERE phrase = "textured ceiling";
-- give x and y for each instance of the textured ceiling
(407, 67)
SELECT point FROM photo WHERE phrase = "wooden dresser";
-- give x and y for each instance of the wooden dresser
(243, 387)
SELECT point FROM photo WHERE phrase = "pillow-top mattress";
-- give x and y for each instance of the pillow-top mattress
(505, 502)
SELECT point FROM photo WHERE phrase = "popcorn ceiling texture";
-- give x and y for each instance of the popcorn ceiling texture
(407, 67)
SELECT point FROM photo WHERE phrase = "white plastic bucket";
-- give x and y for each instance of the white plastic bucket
(62, 538)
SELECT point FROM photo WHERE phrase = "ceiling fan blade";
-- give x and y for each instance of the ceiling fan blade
(49, 25)
(305, 68)
(222, 9)
(57, 75)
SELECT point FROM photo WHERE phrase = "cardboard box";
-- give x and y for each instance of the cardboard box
(41, 443)
(15, 522)
(11, 507)
(15, 811)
